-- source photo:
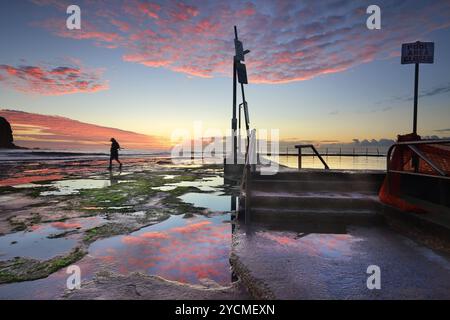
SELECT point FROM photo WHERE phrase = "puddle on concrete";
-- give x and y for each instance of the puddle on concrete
(332, 246)
(206, 184)
(68, 187)
(216, 201)
(185, 250)
(42, 241)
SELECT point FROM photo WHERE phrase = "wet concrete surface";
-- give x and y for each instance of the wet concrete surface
(292, 265)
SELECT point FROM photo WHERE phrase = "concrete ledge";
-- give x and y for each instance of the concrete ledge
(424, 227)
(257, 288)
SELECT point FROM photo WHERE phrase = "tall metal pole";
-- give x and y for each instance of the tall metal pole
(416, 88)
(415, 158)
(234, 120)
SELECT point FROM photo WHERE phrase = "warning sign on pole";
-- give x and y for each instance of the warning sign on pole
(418, 52)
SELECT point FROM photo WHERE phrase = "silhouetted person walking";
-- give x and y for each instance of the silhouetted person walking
(115, 147)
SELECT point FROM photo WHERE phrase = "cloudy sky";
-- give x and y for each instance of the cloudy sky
(315, 71)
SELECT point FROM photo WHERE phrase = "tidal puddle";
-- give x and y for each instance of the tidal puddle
(45, 241)
(216, 201)
(68, 187)
(185, 250)
(27, 186)
(28, 179)
(206, 184)
(34, 244)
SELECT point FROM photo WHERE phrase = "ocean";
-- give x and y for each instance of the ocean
(291, 161)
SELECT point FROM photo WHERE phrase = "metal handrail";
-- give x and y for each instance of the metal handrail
(249, 167)
(249, 156)
(301, 146)
(412, 146)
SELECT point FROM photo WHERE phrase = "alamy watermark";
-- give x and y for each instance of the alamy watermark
(374, 20)
(374, 280)
(74, 280)
(73, 22)
(216, 146)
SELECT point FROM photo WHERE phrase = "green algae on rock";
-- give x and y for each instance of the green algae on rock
(24, 269)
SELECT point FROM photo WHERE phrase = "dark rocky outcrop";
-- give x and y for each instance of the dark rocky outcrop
(6, 135)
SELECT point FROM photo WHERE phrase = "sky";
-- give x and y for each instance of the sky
(316, 72)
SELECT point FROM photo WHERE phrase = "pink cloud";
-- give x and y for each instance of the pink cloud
(89, 31)
(190, 228)
(123, 26)
(65, 225)
(37, 130)
(62, 5)
(154, 235)
(248, 10)
(289, 40)
(150, 9)
(132, 240)
(28, 179)
(52, 81)
(182, 12)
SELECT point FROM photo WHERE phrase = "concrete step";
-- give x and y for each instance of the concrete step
(324, 175)
(316, 221)
(315, 200)
(315, 185)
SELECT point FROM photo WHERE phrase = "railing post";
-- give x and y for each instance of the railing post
(388, 167)
(249, 167)
(248, 188)
(299, 158)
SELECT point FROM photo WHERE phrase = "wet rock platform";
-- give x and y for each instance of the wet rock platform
(153, 230)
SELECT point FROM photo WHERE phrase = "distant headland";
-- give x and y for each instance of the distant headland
(6, 135)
